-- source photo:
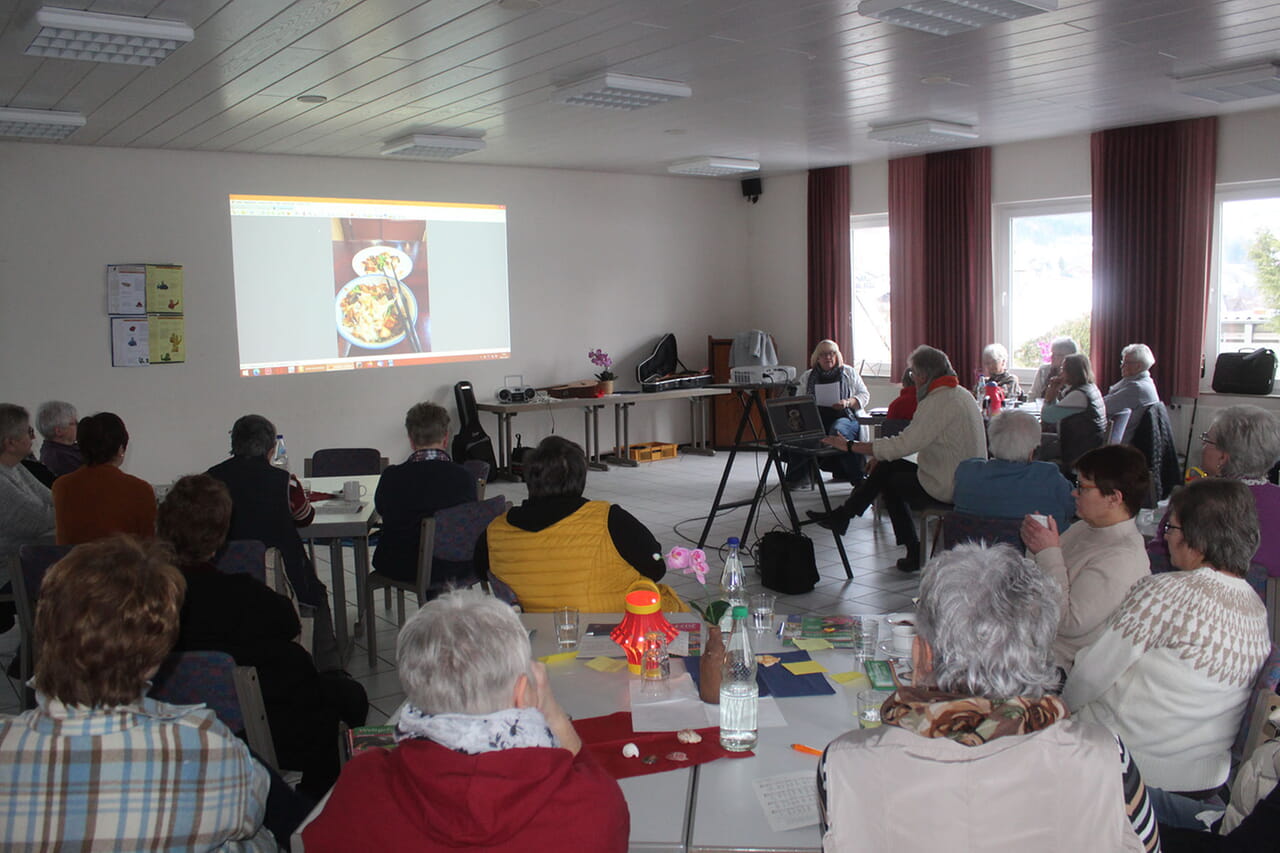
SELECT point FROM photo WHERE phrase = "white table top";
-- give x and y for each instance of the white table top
(335, 525)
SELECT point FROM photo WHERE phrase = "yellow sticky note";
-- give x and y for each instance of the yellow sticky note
(559, 656)
(607, 664)
(815, 645)
(804, 667)
(851, 679)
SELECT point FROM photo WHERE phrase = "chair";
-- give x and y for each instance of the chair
(933, 511)
(232, 692)
(341, 461)
(451, 534)
(33, 562)
(243, 557)
(1271, 597)
(959, 527)
(1117, 422)
(1262, 699)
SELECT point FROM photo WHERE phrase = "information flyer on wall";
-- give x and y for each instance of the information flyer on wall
(164, 289)
(130, 342)
(167, 338)
(126, 288)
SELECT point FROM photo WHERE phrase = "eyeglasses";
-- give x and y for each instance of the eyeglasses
(31, 432)
(1176, 527)
(1204, 438)
(1081, 487)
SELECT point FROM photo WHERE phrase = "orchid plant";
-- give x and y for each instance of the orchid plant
(694, 562)
(601, 359)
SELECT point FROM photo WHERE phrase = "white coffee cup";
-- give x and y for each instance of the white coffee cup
(903, 638)
(352, 490)
(1042, 520)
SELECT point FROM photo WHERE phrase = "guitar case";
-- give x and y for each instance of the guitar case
(658, 371)
(471, 442)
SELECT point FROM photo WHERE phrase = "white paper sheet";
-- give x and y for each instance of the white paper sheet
(789, 800)
(679, 708)
(825, 394)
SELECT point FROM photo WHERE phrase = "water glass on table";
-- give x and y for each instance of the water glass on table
(567, 627)
(869, 702)
(762, 611)
(866, 630)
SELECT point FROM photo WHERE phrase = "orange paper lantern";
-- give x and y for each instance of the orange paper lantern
(644, 614)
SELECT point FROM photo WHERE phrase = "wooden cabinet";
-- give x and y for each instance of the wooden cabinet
(726, 411)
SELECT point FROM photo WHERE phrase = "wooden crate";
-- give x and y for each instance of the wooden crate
(651, 451)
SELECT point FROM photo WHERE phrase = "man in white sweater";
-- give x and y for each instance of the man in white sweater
(946, 430)
(1094, 562)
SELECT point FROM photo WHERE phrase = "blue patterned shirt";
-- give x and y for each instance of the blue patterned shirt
(146, 776)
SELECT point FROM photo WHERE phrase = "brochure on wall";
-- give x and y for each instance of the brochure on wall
(167, 339)
(130, 342)
(164, 289)
(126, 288)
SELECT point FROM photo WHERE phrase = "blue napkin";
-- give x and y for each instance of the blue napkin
(783, 683)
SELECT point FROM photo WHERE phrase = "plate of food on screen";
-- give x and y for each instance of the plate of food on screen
(386, 260)
(370, 316)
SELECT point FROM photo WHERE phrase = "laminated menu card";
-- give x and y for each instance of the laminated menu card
(130, 342)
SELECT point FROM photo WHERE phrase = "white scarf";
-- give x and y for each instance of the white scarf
(473, 734)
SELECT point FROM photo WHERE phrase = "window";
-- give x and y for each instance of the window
(1043, 277)
(1244, 302)
(869, 254)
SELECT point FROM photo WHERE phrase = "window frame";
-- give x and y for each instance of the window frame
(865, 220)
(1003, 215)
(1223, 193)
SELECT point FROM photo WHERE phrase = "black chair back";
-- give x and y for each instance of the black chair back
(344, 461)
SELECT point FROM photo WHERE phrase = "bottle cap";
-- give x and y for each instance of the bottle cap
(733, 540)
(739, 611)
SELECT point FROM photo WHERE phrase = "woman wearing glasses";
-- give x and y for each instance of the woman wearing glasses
(1242, 443)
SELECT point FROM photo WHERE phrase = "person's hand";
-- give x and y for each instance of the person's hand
(839, 442)
(1052, 389)
(557, 719)
(870, 464)
(1037, 537)
(840, 405)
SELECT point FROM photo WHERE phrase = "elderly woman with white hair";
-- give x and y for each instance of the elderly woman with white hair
(995, 363)
(56, 421)
(1135, 390)
(840, 393)
(487, 759)
(1242, 443)
(1012, 484)
(946, 430)
(1173, 670)
(979, 747)
(1048, 380)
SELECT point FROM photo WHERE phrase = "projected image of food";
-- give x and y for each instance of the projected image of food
(384, 308)
(371, 314)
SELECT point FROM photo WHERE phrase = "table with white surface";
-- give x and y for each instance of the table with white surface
(338, 526)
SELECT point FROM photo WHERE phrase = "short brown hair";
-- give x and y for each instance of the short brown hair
(195, 516)
(1118, 468)
(1077, 369)
(107, 617)
(101, 437)
(427, 424)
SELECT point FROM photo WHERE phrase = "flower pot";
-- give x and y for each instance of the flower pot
(604, 387)
(709, 666)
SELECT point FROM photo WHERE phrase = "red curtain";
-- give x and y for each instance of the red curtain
(940, 256)
(830, 275)
(1153, 200)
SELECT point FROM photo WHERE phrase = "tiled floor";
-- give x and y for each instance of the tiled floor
(673, 497)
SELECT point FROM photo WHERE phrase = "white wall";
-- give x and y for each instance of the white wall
(596, 260)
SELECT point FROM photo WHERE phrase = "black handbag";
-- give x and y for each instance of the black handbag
(787, 564)
(1245, 372)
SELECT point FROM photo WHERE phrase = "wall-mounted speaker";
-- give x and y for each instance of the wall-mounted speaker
(752, 188)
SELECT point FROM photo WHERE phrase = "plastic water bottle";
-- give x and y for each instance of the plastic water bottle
(739, 693)
(281, 459)
(732, 582)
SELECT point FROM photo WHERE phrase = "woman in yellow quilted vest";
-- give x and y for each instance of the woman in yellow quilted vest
(558, 549)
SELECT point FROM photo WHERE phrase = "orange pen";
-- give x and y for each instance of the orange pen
(799, 747)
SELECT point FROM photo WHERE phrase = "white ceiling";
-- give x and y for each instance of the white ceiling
(794, 84)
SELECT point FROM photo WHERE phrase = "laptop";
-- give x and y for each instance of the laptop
(796, 425)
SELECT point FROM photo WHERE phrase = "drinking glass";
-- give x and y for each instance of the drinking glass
(567, 627)
(869, 702)
(762, 611)
(866, 630)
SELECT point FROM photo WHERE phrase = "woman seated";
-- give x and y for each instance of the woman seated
(1012, 484)
(98, 499)
(99, 766)
(239, 615)
(1078, 413)
(978, 753)
(1173, 669)
(995, 361)
(840, 393)
(26, 507)
(558, 549)
(1098, 560)
(1241, 444)
(487, 759)
(902, 408)
(947, 429)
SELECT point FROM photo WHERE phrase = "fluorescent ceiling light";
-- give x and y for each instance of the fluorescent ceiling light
(947, 17)
(93, 36)
(426, 146)
(1235, 84)
(923, 132)
(613, 91)
(713, 167)
(39, 124)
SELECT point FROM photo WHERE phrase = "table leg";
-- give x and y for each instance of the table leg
(698, 427)
(591, 429)
(622, 436)
(338, 587)
(362, 574)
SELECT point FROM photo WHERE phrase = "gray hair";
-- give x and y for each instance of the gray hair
(14, 421)
(54, 414)
(1013, 435)
(990, 617)
(1141, 353)
(1064, 345)
(427, 423)
(462, 653)
(930, 363)
(1218, 518)
(995, 352)
(826, 346)
(1250, 436)
(253, 436)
